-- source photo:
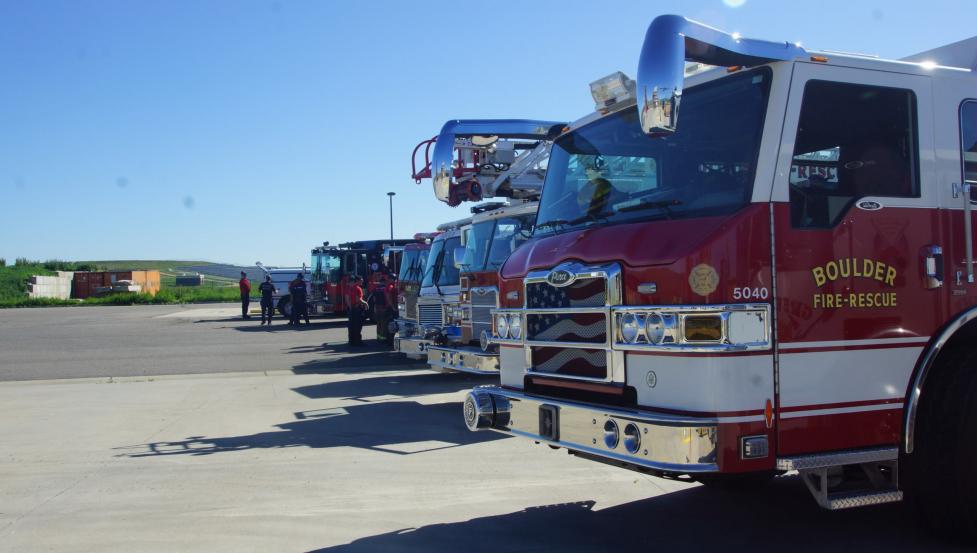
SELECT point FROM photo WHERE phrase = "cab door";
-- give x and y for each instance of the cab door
(855, 218)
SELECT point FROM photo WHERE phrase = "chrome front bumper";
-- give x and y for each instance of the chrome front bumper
(469, 360)
(665, 443)
(414, 347)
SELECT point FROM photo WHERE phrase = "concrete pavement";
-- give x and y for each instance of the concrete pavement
(336, 454)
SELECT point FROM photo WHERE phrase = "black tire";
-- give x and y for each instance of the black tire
(939, 478)
(285, 307)
(745, 481)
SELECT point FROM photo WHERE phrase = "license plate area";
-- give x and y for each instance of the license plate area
(549, 422)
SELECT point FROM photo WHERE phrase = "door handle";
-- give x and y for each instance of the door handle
(933, 266)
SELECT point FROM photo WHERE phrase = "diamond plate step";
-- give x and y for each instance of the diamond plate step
(862, 499)
(837, 458)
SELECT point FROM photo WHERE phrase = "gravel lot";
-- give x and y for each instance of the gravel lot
(184, 429)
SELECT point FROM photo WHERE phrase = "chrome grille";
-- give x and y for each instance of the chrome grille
(430, 314)
(482, 306)
(411, 307)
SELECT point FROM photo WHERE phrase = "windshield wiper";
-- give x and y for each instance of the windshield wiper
(436, 272)
(596, 217)
(553, 223)
(664, 205)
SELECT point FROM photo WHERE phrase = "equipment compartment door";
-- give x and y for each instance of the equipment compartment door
(855, 213)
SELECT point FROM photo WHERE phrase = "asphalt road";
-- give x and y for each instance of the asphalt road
(316, 449)
(97, 341)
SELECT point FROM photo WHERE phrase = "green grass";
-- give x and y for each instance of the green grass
(175, 295)
(13, 284)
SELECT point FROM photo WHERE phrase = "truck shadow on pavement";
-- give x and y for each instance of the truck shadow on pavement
(392, 385)
(395, 427)
(781, 517)
(339, 357)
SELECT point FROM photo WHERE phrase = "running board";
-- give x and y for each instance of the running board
(847, 479)
(838, 458)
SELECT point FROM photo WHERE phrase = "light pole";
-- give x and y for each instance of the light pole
(391, 196)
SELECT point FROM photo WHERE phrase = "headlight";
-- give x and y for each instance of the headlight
(502, 326)
(654, 328)
(515, 327)
(630, 328)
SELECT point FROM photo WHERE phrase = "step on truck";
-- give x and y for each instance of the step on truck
(759, 267)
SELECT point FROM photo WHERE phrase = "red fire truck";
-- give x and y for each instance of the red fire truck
(476, 159)
(376, 261)
(760, 267)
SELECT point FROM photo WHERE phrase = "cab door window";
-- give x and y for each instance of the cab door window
(852, 141)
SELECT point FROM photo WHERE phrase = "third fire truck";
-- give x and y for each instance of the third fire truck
(473, 160)
(762, 267)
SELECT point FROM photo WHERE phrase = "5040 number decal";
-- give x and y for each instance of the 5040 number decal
(748, 293)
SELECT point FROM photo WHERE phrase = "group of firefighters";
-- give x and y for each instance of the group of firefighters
(297, 291)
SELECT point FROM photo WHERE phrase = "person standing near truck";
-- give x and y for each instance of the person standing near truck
(356, 304)
(267, 290)
(245, 285)
(297, 291)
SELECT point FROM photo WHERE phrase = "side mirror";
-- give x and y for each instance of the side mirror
(671, 41)
(461, 257)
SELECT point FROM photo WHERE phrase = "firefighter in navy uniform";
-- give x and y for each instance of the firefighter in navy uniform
(267, 290)
(357, 309)
(300, 309)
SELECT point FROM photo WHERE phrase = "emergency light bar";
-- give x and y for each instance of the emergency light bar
(612, 91)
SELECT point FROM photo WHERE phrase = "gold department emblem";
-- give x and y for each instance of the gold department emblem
(703, 279)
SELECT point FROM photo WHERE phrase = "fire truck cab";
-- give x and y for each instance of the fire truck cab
(333, 268)
(759, 267)
(496, 230)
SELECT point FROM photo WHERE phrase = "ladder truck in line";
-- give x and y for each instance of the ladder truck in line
(473, 160)
(762, 267)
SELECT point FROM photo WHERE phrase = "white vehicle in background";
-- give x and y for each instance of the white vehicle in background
(281, 277)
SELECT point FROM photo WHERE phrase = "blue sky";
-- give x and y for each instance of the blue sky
(252, 130)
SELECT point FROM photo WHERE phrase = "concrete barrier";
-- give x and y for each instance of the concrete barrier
(57, 287)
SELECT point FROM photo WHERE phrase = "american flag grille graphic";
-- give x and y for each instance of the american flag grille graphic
(588, 292)
(567, 327)
(586, 363)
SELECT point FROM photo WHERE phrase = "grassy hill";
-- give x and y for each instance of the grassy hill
(217, 286)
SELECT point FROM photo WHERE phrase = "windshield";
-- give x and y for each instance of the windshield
(610, 172)
(491, 242)
(440, 265)
(412, 265)
(325, 267)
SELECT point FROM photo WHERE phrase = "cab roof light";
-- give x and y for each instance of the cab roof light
(612, 90)
(820, 59)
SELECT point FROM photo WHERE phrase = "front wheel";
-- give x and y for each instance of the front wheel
(285, 307)
(939, 477)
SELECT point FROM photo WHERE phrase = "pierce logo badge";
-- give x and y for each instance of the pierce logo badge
(559, 278)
